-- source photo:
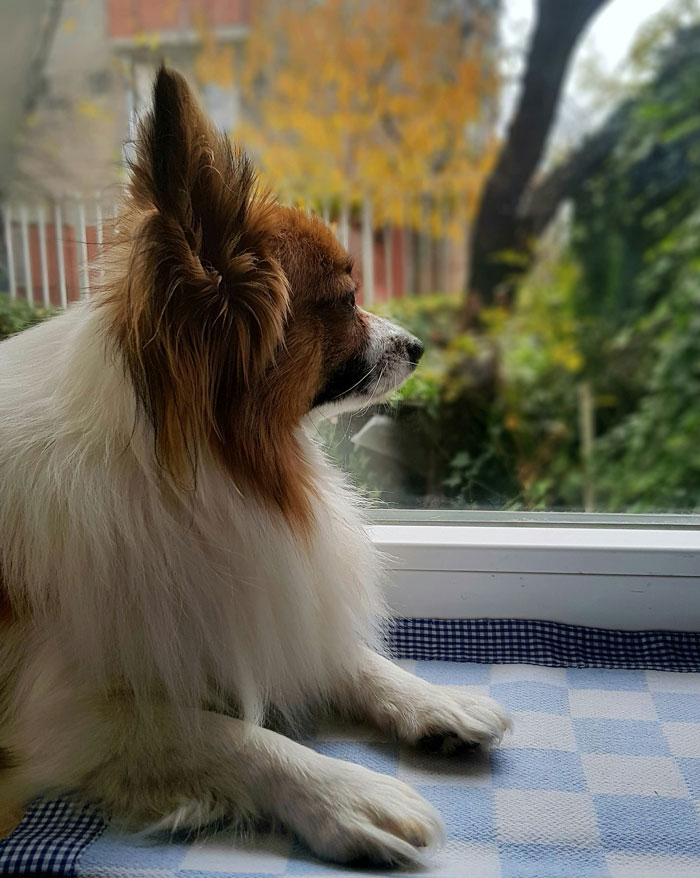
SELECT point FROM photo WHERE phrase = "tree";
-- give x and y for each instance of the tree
(500, 234)
(390, 111)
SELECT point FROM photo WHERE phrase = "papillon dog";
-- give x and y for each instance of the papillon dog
(181, 569)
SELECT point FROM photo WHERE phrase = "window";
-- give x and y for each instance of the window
(618, 574)
(518, 184)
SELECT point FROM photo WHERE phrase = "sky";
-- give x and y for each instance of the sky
(608, 38)
(612, 31)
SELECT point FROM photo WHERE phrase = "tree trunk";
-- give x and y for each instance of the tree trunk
(497, 231)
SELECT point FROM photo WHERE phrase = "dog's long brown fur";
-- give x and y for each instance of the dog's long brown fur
(200, 316)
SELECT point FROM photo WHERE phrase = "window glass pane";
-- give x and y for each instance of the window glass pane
(518, 183)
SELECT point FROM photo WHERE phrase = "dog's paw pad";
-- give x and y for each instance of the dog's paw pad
(445, 742)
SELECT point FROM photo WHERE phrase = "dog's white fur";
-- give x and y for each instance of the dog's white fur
(150, 640)
(139, 593)
(226, 605)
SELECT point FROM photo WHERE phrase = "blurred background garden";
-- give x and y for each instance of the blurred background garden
(518, 181)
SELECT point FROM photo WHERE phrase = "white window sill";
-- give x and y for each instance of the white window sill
(634, 578)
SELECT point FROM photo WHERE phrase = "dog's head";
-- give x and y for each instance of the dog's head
(235, 316)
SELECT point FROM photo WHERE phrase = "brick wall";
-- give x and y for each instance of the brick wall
(127, 18)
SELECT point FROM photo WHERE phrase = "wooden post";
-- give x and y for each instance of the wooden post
(424, 253)
(100, 234)
(84, 263)
(367, 253)
(26, 253)
(11, 277)
(409, 282)
(344, 227)
(60, 255)
(444, 252)
(587, 430)
(389, 260)
(41, 216)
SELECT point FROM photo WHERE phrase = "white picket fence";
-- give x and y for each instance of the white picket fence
(51, 248)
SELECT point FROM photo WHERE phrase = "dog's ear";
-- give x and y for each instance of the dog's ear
(205, 303)
(214, 226)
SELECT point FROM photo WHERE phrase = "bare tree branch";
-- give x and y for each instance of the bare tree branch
(498, 227)
(540, 202)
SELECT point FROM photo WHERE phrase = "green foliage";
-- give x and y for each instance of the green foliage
(16, 315)
(650, 459)
(495, 418)
(628, 213)
(450, 437)
(638, 241)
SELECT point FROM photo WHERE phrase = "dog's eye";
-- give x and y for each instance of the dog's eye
(350, 301)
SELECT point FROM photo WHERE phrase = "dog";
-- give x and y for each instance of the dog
(179, 562)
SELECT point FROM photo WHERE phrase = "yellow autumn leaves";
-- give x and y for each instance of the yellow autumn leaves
(355, 99)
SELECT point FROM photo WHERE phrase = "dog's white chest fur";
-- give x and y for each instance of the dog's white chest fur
(218, 597)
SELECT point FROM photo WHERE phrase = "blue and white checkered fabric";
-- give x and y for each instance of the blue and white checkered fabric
(542, 643)
(601, 778)
(49, 839)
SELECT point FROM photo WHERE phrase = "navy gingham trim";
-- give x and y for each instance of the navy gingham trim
(50, 839)
(527, 641)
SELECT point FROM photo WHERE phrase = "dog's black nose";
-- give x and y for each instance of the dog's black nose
(414, 349)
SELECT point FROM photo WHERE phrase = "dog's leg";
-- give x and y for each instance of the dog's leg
(153, 768)
(343, 811)
(438, 718)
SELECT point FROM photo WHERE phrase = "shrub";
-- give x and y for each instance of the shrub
(16, 315)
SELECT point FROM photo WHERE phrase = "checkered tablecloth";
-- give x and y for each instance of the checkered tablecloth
(601, 778)
(542, 642)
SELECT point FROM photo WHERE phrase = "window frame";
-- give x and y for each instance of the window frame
(624, 572)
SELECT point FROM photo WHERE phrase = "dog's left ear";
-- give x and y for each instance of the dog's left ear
(212, 235)
(205, 303)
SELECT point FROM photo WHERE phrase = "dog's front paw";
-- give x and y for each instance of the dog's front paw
(348, 813)
(447, 719)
